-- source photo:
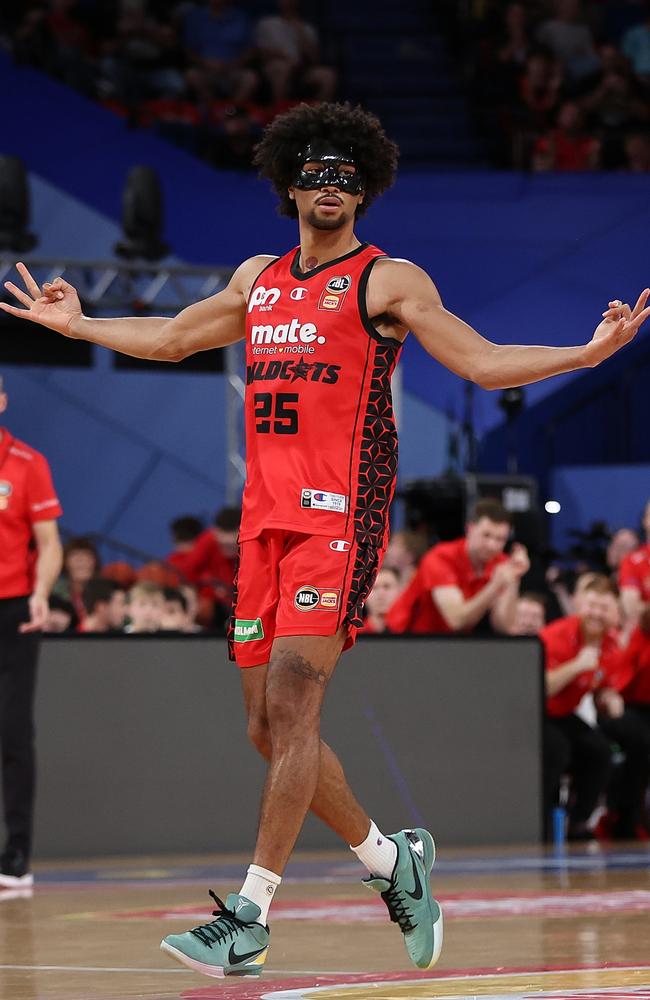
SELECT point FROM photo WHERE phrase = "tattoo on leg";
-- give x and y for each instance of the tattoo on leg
(303, 668)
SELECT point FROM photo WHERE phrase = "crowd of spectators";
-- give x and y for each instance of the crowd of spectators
(559, 84)
(593, 621)
(205, 73)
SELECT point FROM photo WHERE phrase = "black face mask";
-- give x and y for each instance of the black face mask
(320, 151)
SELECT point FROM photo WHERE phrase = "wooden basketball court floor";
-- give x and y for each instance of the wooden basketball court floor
(522, 923)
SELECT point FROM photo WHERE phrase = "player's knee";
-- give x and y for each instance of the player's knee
(259, 734)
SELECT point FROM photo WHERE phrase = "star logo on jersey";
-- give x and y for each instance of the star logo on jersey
(301, 370)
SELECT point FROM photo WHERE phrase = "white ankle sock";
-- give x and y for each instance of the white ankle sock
(259, 887)
(378, 853)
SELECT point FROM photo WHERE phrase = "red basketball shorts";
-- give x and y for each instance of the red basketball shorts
(289, 583)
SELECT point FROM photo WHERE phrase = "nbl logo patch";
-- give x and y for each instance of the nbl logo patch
(310, 598)
(334, 293)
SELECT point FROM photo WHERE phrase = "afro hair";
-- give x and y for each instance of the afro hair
(277, 153)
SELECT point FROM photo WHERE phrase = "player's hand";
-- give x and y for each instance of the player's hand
(38, 612)
(619, 326)
(55, 305)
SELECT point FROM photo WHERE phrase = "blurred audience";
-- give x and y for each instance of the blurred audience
(145, 608)
(105, 606)
(61, 617)
(380, 599)
(634, 577)
(530, 614)
(404, 552)
(582, 656)
(289, 54)
(175, 617)
(469, 585)
(80, 563)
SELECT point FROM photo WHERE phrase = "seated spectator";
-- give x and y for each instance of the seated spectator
(289, 53)
(634, 577)
(142, 60)
(210, 563)
(621, 544)
(184, 531)
(146, 608)
(217, 36)
(636, 46)
(582, 655)
(626, 798)
(636, 153)
(174, 616)
(61, 616)
(105, 606)
(404, 552)
(539, 89)
(468, 585)
(530, 614)
(569, 38)
(192, 604)
(380, 599)
(568, 147)
(615, 104)
(80, 563)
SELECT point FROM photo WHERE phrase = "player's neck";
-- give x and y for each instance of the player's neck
(318, 246)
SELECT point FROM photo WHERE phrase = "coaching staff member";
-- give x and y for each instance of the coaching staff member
(30, 562)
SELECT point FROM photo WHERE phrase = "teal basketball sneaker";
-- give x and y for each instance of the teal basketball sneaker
(407, 894)
(234, 944)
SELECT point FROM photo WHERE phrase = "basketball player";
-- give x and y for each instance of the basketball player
(323, 325)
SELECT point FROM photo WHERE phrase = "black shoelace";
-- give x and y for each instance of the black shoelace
(397, 909)
(226, 924)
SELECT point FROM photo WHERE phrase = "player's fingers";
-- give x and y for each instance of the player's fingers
(640, 302)
(636, 321)
(22, 313)
(30, 282)
(53, 290)
(22, 296)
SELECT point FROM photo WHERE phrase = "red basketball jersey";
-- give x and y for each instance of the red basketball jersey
(320, 434)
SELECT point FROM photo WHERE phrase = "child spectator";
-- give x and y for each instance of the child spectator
(530, 614)
(146, 608)
(105, 606)
(174, 617)
(80, 563)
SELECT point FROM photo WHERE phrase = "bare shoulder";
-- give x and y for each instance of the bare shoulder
(249, 271)
(393, 279)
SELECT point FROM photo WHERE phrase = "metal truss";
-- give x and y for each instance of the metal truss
(108, 288)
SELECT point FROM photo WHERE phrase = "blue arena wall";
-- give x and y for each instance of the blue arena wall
(529, 259)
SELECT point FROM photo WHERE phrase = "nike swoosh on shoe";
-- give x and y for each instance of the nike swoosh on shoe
(417, 881)
(236, 959)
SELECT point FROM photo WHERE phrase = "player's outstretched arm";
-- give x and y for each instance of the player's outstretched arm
(213, 322)
(406, 293)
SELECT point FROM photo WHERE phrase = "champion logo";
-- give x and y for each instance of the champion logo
(340, 545)
(297, 294)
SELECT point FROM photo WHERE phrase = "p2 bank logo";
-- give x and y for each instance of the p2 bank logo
(263, 298)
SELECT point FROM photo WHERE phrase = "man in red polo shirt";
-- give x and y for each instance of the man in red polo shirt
(634, 578)
(583, 656)
(30, 562)
(468, 585)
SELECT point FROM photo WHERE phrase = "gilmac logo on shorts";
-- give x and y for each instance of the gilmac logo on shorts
(248, 629)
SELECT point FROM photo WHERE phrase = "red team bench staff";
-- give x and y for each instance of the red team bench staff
(324, 325)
